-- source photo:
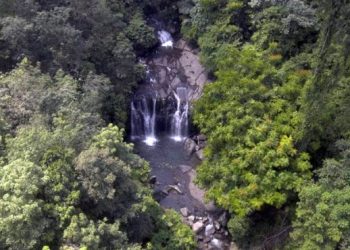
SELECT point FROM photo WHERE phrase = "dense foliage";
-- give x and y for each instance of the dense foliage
(274, 113)
(68, 180)
(276, 116)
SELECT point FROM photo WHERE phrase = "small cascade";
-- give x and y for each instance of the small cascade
(143, 120)
(165, 38)
(179, 122)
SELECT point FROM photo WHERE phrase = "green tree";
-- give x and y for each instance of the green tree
(106, 182)
(252, 160)
(22, 220)
(322, 215)
(83, 233)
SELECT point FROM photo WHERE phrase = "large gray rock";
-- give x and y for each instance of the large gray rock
(223, 219)
(152, 180)
(216, 243)
(189, 146)
(198, 226)
(209, 230)
(175, 188)
(191, 218)
(217, 225)
(200, 154)
(201, 137)
(184, 211)
(182, 68)
(159, 195)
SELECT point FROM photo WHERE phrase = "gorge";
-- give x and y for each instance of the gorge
(160, 129)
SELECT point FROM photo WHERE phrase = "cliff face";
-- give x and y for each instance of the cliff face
(175, 78)
(177, 67)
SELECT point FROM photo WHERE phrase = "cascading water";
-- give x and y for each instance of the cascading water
(165, 38)
(143, 120)
(179, 122)
(144, 104)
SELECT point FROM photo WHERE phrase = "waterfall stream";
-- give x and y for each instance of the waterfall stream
(159, 126)
(165, 38)
(179, 123)
(143, 120)
(144, 106)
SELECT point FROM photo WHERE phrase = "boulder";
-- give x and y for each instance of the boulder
(216, 243)
(219, 236)
(189, 146)
(207, 239)
(197, 227)
(152, 180)
(201, 144)
(200, 154)
(201, 138)
(223, 219)
(217, 225)
(209, 230)
(159, 195)
(191, 218)
(170, 188)
(184, 211)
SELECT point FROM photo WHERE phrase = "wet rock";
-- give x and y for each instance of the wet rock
(207, 240)
(189, 146)
(201, 138)
(175, 188)
(185, 168)
(198, 226)
(184, 211)
(201, 144)
(200, 154)
(159, 195)
(217, 225)
(219, 236)
(223, 219)
(209, 230)
(153, 180)
(191, 218)
(216, 243)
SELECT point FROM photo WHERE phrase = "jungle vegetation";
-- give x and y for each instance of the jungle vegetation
(276, 115)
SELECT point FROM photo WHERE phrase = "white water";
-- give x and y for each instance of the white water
(143, 110)
(143, 120)
(165, 38)
(179, 123)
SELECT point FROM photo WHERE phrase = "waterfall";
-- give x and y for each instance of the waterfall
(144, 105)
(165, 38)
(143, 120)
(179, 122)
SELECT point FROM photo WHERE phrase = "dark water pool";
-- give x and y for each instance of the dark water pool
(166, 158)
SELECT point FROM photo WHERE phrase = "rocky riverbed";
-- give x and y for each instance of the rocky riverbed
(175, 78)
(173, 178)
